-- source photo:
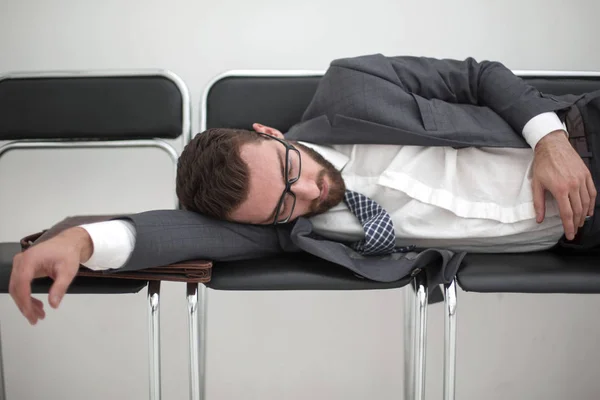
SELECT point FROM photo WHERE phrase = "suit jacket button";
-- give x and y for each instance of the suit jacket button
(415, 272)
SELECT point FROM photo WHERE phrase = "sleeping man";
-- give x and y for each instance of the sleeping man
(394, 158)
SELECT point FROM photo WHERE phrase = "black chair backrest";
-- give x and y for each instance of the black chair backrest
(237, 101)
(94, 106)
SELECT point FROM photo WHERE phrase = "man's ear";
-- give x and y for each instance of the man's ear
(267, 130)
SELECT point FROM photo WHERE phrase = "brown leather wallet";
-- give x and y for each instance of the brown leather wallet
(194, 271)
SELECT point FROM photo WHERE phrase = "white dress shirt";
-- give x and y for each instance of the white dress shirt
(469, 199)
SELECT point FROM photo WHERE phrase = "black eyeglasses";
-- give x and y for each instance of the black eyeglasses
(291, 173)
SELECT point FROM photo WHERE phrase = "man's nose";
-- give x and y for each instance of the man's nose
(306, 189)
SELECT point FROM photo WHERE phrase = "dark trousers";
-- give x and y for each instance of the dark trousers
(583, 124)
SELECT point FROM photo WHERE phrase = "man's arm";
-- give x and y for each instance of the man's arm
(163, 237)
(137, 241)
(487, 83)
(394, 80)
(557, 166)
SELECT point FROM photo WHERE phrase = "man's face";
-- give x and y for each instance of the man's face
(319, 187)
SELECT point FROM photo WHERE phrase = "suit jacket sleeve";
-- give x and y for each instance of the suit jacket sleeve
(486, 84)
(164, 237)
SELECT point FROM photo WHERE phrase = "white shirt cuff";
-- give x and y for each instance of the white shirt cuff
(541, 125)
(113, 244)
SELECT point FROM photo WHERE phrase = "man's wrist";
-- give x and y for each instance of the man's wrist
(82, 241)
(553, 138)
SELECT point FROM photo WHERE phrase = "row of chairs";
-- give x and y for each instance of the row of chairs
(137, 109)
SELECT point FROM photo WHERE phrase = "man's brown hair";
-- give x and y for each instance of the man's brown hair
(212, 179)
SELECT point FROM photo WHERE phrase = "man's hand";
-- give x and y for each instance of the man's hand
(559, 169)
(57, 258)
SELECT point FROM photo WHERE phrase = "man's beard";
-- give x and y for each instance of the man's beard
(337, 187)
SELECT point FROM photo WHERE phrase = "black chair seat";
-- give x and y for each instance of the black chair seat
(81, 285)
(540, 272)
(299, 271)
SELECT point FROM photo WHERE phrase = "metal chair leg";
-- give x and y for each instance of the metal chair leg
(450, 341)
(154, 342)
(197, 337)
(409, 341)
(420, 335)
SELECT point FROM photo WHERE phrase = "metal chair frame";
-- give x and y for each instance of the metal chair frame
(153, 295)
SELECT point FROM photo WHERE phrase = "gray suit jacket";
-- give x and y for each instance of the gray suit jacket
(422, 101)
(368, 99)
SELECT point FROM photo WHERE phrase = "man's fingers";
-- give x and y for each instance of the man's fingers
(59, 287)
(539, 200)
(585, 203)
(20, 287)
(566, 215)
(591, 188)
(36, 302)
(576, 206)
(38, 307)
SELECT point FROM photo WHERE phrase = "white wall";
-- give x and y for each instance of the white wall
(274, 345)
